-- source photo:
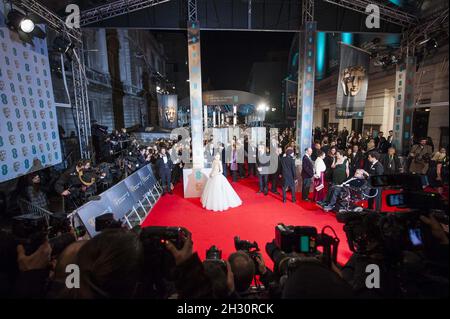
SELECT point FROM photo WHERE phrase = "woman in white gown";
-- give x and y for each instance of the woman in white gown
(218, 195)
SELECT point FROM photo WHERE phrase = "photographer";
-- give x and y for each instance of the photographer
(245, 268)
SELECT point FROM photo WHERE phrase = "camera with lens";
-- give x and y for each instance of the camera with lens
(294, 244)
(250, 248)
(214, 256)
(157, 236)
(32, 231)
(391, 233)
(106, 221)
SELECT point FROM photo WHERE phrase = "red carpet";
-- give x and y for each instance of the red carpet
(255, 220)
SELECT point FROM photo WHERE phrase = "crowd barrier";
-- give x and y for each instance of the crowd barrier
(129, 201)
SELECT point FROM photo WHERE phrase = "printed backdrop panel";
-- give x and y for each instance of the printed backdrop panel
(29, 138)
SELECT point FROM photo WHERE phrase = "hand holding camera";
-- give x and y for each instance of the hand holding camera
(183, 254)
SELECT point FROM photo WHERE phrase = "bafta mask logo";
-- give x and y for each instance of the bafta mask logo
(6, 112)
(352, 80)
(16, 166)
(12, 139)
(171, 114)
(2, 155)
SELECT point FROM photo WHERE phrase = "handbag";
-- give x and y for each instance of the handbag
(319, 188)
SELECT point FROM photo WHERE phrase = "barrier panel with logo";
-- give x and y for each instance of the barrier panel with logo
(119, 199)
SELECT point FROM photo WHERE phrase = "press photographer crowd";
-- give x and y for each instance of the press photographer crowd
(407, 248)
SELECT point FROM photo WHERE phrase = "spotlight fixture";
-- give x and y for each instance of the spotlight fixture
(24, 26)
(27, 25)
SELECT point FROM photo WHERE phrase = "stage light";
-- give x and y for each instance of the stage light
(158, 89)
(261, 107)
(27, 25)
(24, 26)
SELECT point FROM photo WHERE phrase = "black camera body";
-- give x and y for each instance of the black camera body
(106, 221)
(214, 256)
(394, 232)
(250, 248)
(32, 231)
(299, 239)
(156, 236)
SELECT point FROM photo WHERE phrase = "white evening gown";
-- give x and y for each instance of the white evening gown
(218, 195)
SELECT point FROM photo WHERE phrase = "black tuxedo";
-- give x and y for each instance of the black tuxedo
(374, 170)
(307, 175)
(164, 170)
(289, 175)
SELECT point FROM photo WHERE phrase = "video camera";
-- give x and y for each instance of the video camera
(32, 231)
(393, 232)
(294, 244)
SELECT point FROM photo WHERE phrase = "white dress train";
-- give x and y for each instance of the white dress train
(218, 195)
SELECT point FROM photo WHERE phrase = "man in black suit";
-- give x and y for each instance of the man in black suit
(276, 174)
(356, 159)
(262, 165)
(307, 173)
(391, 162)
(376, 168)
(289, 173)
(164, 166)
(390, 138)
(383, 144)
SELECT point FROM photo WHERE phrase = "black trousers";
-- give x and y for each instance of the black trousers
(274, 182)
(251, 169)
(377, 199)
(263, 183)
(165, 176)
(292, 188)
(234, 174)
(306, 185)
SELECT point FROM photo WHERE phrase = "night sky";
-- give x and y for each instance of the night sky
(227, 56)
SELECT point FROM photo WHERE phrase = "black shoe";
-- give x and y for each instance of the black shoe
(276, 192)
(265, 193)
(284, 201)
(170, 192)
(294, 201)
(258, 192)
(164, 193)
(306, 200)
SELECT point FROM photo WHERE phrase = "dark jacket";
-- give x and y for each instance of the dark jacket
(307, 167)
(375, 169)
(288, 170)
(161, 166)
(391, 167)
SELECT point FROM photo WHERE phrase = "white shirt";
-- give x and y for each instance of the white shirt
(319, 167)
(165, 159)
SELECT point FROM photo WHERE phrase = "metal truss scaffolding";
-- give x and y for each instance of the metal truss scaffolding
(387, 13)
(80, 81)
(307, 11)
(192, 10)
(424, 30)
(115, 9)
